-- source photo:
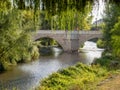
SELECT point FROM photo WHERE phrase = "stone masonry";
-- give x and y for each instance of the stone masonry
(70, 41)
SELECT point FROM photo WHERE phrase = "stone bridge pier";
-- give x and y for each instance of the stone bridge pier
(70, 41)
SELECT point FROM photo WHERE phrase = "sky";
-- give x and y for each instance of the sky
(97, 11)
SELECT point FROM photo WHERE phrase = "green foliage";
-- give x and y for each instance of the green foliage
(64, 15)
(71, 20)
(100, 43)
(34, 52)
(111, 31)
(75, 77)
(55, 6)
(5, 5)
(15, 36)
(44, 21)
(67, 20)
(109, 62)
(110, 19)
(104, 61)
(47, 42)
(116, 39)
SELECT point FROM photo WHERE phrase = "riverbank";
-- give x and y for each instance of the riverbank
(82, 77)
(110, 83)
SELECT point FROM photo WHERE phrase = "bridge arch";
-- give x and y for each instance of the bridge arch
(58, 40)
(87, 37)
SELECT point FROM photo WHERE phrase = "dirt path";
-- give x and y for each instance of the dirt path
(111, 83)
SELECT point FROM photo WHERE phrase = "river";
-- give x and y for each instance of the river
(28, 75)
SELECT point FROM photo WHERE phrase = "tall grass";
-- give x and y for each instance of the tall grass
(78, 77)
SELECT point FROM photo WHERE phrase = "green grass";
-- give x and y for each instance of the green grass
(78, 77)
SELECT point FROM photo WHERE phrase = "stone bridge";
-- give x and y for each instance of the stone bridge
(70, 41)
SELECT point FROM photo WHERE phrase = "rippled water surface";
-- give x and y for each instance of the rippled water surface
(27, 76)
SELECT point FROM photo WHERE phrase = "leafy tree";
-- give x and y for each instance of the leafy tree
(116, 39)
(59, 14)
(69, 19)
(110, 19)
(15, 35)
(5, 5)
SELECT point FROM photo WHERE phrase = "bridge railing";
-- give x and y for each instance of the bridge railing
(63, 31)
(90, 32)
(50, 31)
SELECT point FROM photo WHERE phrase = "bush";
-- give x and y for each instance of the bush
(100, 43)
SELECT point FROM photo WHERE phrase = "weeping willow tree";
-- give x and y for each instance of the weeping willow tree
(69, 14)
(16, 27)
(60, 14)
(55, 6)
(15, 35)
(66, 14)
(70, 20)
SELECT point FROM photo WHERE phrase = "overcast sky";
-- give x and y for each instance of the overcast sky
(98, 10)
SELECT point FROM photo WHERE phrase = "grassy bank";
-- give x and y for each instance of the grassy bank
(80, 76)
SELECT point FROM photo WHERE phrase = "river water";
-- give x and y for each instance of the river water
(27, 76)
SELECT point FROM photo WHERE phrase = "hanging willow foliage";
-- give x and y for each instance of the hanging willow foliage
(52, 6)
(56, 5)
(5, 5)
(70, 19)
(63, 10)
